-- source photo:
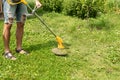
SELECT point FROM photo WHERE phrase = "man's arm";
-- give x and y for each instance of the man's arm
(38, 4)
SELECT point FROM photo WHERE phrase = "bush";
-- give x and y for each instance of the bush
(72, 7)
(52, 5)
(81, 8)
(111, 5)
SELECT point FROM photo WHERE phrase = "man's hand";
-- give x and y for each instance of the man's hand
(38, 4)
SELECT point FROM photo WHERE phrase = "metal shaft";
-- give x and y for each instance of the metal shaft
(41, 20)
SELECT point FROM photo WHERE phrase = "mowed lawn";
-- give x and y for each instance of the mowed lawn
(93, 53)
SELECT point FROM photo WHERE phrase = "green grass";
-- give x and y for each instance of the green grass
(93, 54)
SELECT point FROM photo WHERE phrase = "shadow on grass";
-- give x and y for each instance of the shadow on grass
(47, 46)
(43, 46)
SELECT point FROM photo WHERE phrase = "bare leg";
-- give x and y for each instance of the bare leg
(6, 36)
(19, 34)
(6, 39)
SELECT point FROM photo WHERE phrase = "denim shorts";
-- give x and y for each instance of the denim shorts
(14, 11)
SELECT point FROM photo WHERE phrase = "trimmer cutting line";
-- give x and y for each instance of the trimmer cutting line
(60, 49)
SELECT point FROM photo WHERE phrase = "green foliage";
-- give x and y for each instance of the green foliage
(72, 7)
(81, 8)
(111, 5)
(52, 5)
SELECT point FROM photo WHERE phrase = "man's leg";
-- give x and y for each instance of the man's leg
(6, 39)
(6, 36)
(19, 35)
(8, 20)
(20, 18)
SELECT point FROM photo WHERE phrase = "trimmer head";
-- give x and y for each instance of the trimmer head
(60, 41)
(59, 52)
